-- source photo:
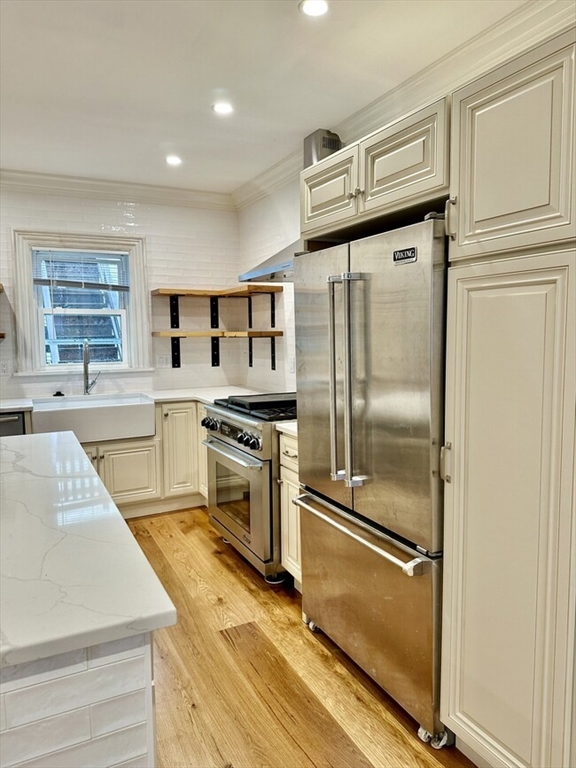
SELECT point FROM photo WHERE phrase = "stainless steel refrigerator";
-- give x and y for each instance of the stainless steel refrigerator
(370, 363)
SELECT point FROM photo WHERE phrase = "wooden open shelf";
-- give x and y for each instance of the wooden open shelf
(179, 334)
(242, 291)
(215, 334)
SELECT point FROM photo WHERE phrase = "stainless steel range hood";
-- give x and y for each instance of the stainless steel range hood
(277, 269)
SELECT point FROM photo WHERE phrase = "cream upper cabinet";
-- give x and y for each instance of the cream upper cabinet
(202, 453)
(510, 556)
(513, 183)
(180, 448)
(403, 164)
(407, 161)
(129, 469)
(328, 193)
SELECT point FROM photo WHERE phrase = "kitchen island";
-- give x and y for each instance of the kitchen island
(78, 604)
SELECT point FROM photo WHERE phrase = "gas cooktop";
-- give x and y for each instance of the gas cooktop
(267, 407)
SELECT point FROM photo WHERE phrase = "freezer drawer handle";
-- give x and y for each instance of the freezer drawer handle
(335, 473)
(414, 567)
(6, 419)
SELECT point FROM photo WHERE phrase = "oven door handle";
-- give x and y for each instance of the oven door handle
(230, 453)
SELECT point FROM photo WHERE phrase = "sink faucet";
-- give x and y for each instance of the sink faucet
(88, 385)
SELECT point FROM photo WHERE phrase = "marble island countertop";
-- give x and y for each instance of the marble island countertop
(72, 573)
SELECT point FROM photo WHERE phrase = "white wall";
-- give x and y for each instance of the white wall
(189, 247)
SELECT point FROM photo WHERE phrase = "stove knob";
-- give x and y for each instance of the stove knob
(255, 444)
(205, 421)
(240, 438)
(247, 439)
(214, 425)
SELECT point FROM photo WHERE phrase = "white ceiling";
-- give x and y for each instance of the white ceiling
(105, 89)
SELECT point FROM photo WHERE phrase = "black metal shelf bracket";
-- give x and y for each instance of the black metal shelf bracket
(215, 342)
(174, 312)
(214, 315)
(273, 310)
(273, 353)
(175, 347)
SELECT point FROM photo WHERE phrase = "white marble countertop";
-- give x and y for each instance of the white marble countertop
(72, 573)
(20, 404)
(288, 427)
(203, 394)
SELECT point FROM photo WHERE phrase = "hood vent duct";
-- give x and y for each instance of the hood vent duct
(277, 269)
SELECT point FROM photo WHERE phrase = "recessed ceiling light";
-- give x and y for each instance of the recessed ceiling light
(173, 160)
(222, 107)
(313, 7)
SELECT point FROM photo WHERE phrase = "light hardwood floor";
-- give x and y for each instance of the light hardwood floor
(241, 682)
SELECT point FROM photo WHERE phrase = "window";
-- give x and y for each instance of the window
(71, 288)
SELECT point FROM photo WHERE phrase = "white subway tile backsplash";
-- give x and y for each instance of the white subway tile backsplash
(120, 712)
(44, 736)
(2, 712)
(111, 749)
(66, 693)
(22, 675)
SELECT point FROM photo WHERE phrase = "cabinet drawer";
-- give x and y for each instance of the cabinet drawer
(289, 452)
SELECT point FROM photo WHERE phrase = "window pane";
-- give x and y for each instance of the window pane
(65, 334)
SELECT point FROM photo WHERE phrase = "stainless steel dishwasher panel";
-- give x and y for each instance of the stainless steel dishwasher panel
(12, 424)
(357, 588)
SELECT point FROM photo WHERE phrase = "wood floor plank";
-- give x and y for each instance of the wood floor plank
(239, 667)
(290, 701)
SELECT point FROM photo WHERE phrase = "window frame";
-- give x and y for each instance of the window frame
(30, 352)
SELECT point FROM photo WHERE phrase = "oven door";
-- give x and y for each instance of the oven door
(239, 496)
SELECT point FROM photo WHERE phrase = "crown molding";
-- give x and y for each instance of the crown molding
(532, 24)
(271, 179)
(51, 184)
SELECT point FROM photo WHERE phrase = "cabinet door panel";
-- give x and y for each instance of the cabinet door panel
(327, 191)
(513, 154)
(508, 616)
(179, 439)
(202, 454)
(290, 523)
(131, 471)
(407, 160)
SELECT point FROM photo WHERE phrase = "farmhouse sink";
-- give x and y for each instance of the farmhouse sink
(93, 418)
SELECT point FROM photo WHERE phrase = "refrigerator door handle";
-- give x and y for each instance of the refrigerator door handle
(350, 480)
(335, 473)
(414, 567)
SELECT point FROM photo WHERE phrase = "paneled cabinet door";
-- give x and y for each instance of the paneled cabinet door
(328, 191)
(406, 161)
(513, 183)
(202, 453)
(290, 523)
(130, 470)
(180, 448)
(509, 610)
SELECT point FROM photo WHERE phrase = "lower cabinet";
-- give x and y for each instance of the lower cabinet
(510, 554)
(180, 448)
(289, 513)
(129, 469)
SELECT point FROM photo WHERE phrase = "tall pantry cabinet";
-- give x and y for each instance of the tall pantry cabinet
(510, 543)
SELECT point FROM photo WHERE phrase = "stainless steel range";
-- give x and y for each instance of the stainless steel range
(243, 470)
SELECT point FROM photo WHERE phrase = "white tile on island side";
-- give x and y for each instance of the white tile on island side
(119, 712)
(143, 761)
(112, 749)
(116, 650)
(66, 693)
(34, 672)
(43, 736)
